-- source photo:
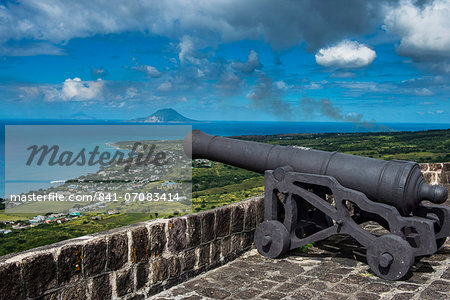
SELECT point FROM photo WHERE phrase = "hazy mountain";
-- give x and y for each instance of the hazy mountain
(166, 115)
(81, 116)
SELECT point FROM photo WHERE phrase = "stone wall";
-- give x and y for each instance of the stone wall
(135, 261)
(436, 173)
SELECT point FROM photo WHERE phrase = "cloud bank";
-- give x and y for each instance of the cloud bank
(424, 31)
(282, 23)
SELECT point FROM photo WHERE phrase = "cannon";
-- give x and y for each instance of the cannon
(311, 195)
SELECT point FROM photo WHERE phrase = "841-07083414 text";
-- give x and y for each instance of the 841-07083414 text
(98, 196)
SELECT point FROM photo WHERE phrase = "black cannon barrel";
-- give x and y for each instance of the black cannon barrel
(397, 183)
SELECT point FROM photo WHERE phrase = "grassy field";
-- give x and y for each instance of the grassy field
(217, 184)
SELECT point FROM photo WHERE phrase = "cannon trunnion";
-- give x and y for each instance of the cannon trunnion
(311, 195)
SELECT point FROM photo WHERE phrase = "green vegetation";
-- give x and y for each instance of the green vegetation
(305, 249)
(422, 146)
(44, 234)
(215, 184)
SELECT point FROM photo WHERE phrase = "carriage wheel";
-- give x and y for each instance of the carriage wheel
(272, 239)
(390, 257)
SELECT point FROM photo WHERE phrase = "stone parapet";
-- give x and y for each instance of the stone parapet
(132, 262)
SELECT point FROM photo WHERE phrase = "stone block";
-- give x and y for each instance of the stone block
(403, 296)
(39, 274)
(189, 259)
(69, 264)
(250, 216)
(367, 296)
(155, 289)
(101, 287)
(446, 166)
(226, 246)
(236, 243)
(136, 297)
(204, 255)
(117, 251)
(157, 239)
(139, 244)
(94, 257)
(435, 167)
(215, 251)
(50, 296)
(10, 283)
(142, 273)
(160, 270)
(214, 292)
(208, 230)
(247, 239)
(237, 219)
(76, 292)
(443, 177)
(174, 267)
(424, 167)
(124, 282)
(428, 177)
(223, 216)
(177, 235)
(259, 203)
(193, 230)
(377, 288)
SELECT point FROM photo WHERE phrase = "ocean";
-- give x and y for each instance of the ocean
(222, 128)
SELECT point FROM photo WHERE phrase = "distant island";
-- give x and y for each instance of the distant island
(80, 116)
(166, 115)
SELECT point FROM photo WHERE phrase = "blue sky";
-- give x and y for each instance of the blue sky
(384, 61)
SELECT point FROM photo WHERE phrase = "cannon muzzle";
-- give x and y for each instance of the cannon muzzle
(397, 183)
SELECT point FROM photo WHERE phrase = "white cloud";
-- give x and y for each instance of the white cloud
(146, 69)
(70, 90)
(186, 47)
(165, 86)
(116, 105)
(346, 54)
(281, 85)
(313, 86)
(78, 90)
(151, 71)
(423, 92)
(360, 85)
(29, 92)
(86, 91)
(424, 31)
(131, 92)
(437, 112)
